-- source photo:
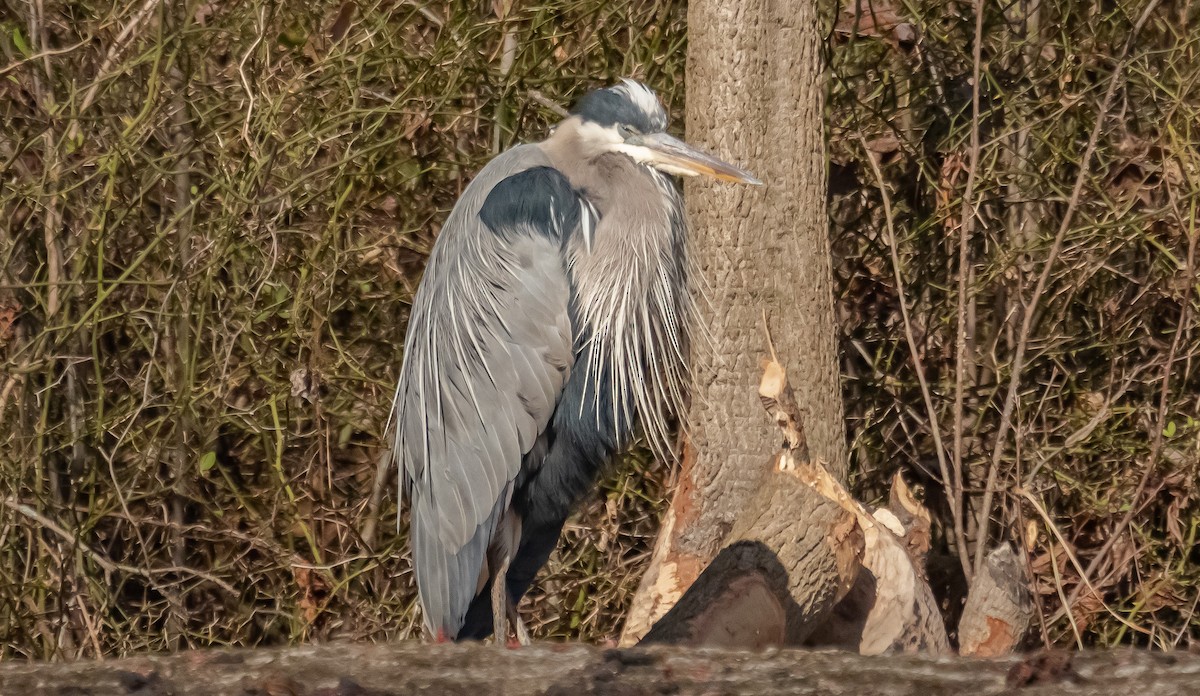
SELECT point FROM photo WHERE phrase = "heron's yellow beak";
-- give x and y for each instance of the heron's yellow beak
(674, 156)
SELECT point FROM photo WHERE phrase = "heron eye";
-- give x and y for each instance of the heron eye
(627, 131)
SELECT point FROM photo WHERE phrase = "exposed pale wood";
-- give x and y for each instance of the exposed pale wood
(579, 670)
(891, 607)
(998, 610)
(914, 520)
(777, 581)
(780, 401)
(792, 556)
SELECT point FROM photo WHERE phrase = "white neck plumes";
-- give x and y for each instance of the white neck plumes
(635, 307)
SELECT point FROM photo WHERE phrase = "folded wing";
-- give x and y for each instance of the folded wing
(489, 347)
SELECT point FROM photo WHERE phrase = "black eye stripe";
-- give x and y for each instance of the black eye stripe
(613, 107)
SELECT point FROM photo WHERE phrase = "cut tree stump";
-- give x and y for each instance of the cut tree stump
(998, 610)
(580, 670)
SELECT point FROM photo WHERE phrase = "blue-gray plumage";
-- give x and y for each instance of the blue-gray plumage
(553, 319)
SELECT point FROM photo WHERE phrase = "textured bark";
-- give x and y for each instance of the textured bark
(999, 608)
(776, 581)
(754, 97)
(580, 670)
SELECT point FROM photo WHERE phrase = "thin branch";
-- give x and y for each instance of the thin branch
(118, 45)
(1053, 529)
(548, 103)
(502, 120)
(100, 559)
(934, 425)
(966, 226)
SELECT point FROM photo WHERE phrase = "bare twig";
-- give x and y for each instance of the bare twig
(1156, 441)
(918, 367)
(1084, 581)
(966, 222)
(548, 103)
(425, 12)
(382, 469)
(114, 50)
(250, 94)
(508, 55)
(100, 559)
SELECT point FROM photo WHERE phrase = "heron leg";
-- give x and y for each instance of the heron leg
(518, 626)
(500, 602)
(504, 609)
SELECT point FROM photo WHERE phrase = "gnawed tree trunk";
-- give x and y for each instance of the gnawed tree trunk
(755, 96)
(844, 577)
(581, 670)
(999, 608)
(890, 607)
(775, 582)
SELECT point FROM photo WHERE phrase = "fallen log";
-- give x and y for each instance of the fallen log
(581, 670)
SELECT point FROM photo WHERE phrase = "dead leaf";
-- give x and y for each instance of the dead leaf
(875, 19)
(502, 8)
(1086, 608)
(1031, 536)
(560, 52)
(1174, 526)
(203, 12)
(306, 384)
(1164, 596)
(320, 43)
(885, 144)
(341, 23)
(8, 317)
(947, 190)
(314, 590)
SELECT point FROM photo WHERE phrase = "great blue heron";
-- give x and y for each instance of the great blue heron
(553, 319)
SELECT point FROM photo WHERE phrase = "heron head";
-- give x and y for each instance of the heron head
(628, 118)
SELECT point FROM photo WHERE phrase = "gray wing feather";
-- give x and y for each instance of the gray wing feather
(488, 350)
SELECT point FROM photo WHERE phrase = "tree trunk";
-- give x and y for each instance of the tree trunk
(776, 582)
(581, 670)
(755, 97)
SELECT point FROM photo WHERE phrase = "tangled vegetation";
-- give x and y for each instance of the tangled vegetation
(214, 216)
